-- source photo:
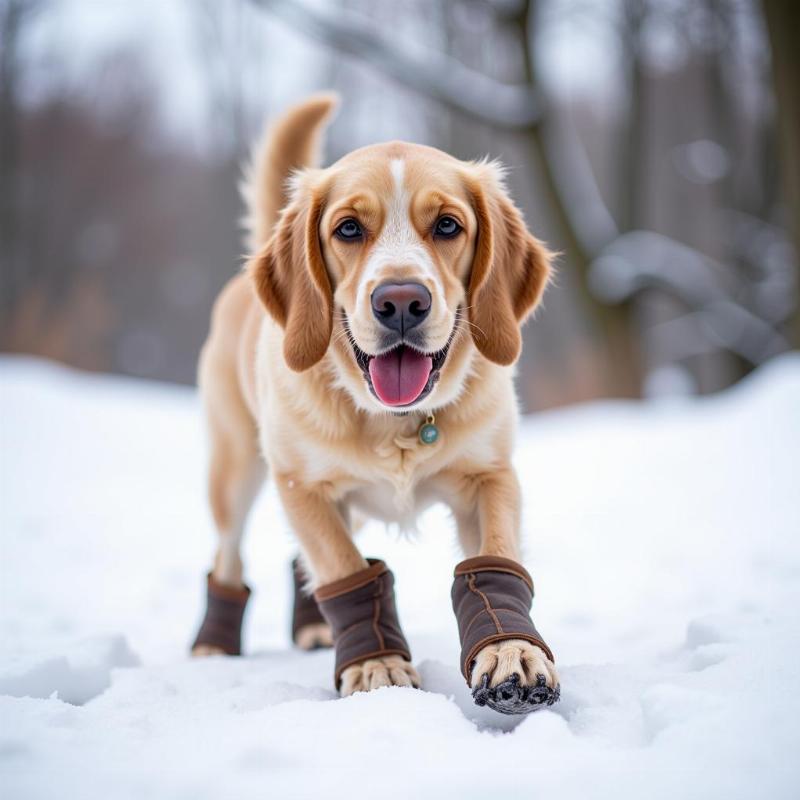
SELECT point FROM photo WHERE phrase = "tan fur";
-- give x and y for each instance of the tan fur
(377, 672)
(281, 152)
(278, 369)
(501, 660)
(310, 637)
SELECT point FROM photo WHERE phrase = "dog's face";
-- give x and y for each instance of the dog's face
(400, 261)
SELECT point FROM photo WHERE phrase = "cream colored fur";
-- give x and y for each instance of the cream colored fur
(331, 447)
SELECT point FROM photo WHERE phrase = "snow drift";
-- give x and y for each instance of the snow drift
(663, 539)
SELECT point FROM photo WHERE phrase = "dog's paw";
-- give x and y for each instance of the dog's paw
(314, 636)
(514, 677)
(377, 672)
(203, 650)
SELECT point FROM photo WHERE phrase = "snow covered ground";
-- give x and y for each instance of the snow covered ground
(664, 540)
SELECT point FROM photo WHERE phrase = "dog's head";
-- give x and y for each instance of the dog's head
(399, 261)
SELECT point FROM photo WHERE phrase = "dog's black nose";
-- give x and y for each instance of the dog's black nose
(401, 306)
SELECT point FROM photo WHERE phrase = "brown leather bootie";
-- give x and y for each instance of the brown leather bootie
(363, 617)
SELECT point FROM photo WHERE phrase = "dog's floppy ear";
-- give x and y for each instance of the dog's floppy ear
(509, 272)
(291, 280)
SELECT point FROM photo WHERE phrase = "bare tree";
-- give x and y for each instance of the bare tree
(612, 264)
(583, 221)
(14, 17)
(783, 24)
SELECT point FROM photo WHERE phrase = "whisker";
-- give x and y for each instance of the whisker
(472, 325)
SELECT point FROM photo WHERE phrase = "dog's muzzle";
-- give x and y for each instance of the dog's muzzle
(404, 373)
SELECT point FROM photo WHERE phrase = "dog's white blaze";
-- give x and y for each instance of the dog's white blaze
(399, 244)
(398, 170)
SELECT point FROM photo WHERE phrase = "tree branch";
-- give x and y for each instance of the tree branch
(432, 73)
(588, 227)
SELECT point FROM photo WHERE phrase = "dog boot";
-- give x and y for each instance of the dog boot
(363, 617)
(492, 599)
(222, 624)
(310, 630)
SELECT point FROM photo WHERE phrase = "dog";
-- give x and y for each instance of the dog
(383, 294)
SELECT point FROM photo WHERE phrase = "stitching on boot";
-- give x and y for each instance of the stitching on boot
(363, 626)
(484, 611)
(494, 564)
(376, 613)
(354, 628)
(351, 628)
(489, 609)
(480, 623)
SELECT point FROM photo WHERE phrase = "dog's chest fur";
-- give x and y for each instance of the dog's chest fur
(400, 462)
(391, 477)
(312, 434)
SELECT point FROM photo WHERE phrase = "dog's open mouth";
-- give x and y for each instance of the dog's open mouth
(403, 375)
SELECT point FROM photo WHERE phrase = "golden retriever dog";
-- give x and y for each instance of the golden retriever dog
(384, 293)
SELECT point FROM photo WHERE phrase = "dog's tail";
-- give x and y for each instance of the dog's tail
(292, 142)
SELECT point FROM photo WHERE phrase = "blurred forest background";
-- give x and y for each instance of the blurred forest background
(656, 143)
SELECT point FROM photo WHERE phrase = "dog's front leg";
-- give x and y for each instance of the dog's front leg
(504, 659)
(355, 596)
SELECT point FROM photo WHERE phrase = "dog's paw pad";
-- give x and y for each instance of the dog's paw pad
(542, 694)
(480, 694)
(514, 677)
(512, 697)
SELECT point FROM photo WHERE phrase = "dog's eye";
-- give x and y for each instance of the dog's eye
(348, 231)
(446, 227)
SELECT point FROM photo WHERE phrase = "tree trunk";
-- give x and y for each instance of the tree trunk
(783, 24)
(614, 324)
(11, 19)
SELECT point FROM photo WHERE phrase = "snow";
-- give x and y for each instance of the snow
(662, 537)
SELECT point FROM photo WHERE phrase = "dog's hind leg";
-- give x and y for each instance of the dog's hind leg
(235, 476)
(236, 473)
(234, 480)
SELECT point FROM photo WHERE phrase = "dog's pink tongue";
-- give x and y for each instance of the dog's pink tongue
(399, 376)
